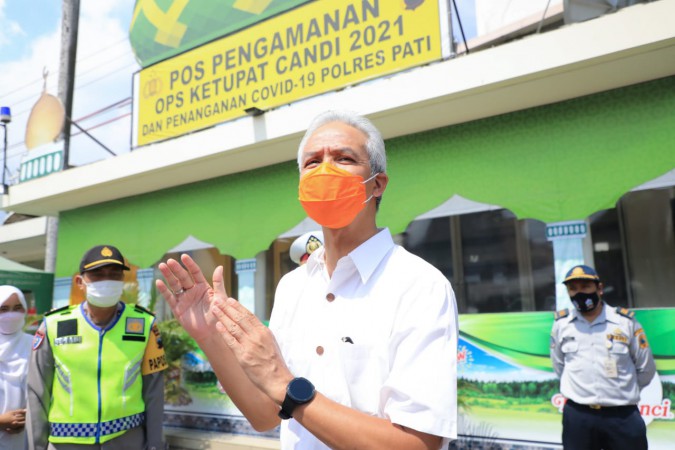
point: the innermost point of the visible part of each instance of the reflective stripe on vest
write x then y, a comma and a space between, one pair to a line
89, 429
97, 387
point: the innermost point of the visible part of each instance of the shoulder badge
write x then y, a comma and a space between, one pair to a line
40, 335
625, 312
642, 338
60, 310
154, 359
139, 308
38, 338
562, 313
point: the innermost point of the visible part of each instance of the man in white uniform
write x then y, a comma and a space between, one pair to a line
362, 348
603, 359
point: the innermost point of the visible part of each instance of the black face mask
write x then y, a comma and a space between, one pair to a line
585, 302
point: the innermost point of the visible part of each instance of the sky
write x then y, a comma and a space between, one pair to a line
31, 42
480, 365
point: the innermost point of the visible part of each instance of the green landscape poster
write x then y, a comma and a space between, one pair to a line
508, 389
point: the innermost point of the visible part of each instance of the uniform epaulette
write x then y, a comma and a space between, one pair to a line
625, 312
562, 313
141, 309
61, 309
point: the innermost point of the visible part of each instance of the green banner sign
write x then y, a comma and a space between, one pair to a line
161, 29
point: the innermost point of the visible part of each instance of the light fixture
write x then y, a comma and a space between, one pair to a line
5, 114
253, 111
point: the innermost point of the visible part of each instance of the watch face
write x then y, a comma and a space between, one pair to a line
301, 390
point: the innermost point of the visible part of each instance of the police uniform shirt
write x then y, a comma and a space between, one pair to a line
605, 362
40, 379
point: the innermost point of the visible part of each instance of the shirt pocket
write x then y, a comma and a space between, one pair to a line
569, 347
571, 351
621, 354
619, 349
364, 373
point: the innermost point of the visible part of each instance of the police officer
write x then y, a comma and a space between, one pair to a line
303, 246
602, 357
95, 378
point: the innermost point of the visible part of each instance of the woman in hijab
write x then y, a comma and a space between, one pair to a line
15, 348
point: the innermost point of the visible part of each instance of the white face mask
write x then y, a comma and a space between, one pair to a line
104, 293
11, 322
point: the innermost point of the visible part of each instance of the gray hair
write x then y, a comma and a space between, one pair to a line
374, 141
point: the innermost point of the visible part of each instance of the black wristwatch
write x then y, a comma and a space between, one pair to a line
298, 392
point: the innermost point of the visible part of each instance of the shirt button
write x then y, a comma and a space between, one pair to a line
319, 350
330, 297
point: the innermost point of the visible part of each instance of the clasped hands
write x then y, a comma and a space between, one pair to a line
13, 421
202, 309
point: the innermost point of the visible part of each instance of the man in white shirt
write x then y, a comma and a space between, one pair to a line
361, 348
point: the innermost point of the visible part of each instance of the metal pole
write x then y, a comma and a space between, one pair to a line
4, 159
69, 27
69, 30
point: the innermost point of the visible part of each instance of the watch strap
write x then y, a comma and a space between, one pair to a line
287, 408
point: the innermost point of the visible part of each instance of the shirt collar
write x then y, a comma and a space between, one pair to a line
366, 257
602, 317
84, 307
612, 315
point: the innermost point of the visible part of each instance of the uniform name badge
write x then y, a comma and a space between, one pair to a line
610, 367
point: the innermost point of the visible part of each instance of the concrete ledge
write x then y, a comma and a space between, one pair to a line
186, 439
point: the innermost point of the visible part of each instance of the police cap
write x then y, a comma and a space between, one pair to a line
102, 255
305, 245
582, 272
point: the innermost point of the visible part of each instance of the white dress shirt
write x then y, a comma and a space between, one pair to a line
379, 336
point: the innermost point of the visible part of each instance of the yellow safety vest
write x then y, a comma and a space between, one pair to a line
97, 387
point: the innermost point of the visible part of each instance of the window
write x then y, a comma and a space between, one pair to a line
634, 249
495, 262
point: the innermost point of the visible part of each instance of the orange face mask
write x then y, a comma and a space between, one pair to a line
332, 196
